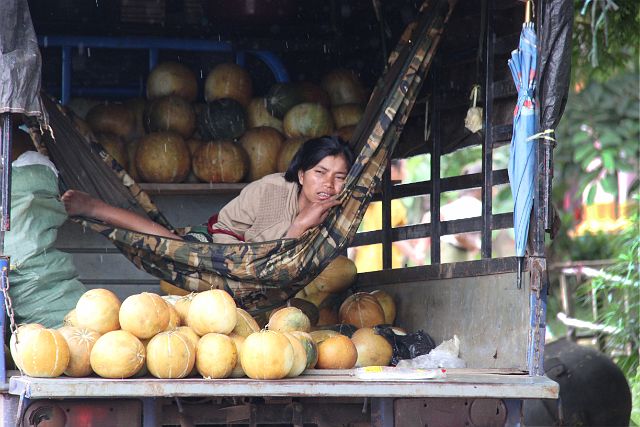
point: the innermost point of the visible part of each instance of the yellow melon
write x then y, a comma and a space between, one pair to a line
136, 106
373, 349
170, 114
388, 305
258, 115
190, 334
182, 307
43, 353
347, 114
310, 347
194, 338
212, 311
132, 169
111, 118
174, 317
163, 157
337, 276
245, 324
172, 78
309, 120
290, 147
262, 145
80, 342
98, 309
327, 316
117, 354
322, 334
345, 133
216, 356
317, 298
361, 310
114, 146
144, 314
343, 87
70, 319
15, 342
228, 80
238, 340
299, 356
267, 355
336, 352
220, 161
170, 354
289, 319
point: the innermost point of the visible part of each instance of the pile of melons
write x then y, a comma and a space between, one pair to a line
234, 136
202, 334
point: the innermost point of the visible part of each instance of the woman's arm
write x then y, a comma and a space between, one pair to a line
82, 204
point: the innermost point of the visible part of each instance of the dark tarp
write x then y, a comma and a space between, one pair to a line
554, 70
555, 29
19, 62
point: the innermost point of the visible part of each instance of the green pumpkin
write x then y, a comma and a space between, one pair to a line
223, 118
282, 97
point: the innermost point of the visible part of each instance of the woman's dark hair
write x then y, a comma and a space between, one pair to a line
313, 151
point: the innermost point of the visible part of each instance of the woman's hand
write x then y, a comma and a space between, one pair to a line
310, 216
78, 203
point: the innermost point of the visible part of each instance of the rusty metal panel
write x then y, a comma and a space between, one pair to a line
85, 412
450, 412
471, 385
319, 412
488, 313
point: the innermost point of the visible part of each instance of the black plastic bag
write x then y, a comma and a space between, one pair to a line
406, 346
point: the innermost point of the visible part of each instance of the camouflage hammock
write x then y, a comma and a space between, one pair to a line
258, 275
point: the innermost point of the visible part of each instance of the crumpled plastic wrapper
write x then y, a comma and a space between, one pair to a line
443, 356
473, 120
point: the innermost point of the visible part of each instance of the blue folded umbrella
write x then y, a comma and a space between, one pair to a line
522, 158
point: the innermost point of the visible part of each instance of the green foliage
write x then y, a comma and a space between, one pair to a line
605, 37
600, 131
587, 247
620, 285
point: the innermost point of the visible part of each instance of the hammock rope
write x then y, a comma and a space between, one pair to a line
257, 274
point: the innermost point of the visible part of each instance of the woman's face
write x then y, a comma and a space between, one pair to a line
324, 180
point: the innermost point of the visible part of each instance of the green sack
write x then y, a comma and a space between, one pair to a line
43, 281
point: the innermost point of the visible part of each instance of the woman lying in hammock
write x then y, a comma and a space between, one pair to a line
276, 206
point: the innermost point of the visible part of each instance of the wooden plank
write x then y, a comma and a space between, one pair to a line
458, 385
192, 188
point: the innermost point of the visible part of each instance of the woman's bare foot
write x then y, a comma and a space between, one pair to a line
78, 203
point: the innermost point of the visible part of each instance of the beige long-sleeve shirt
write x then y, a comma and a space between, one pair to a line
264, 210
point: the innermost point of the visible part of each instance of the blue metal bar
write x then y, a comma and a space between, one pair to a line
273, 62
5, 152
514, 412
103, 92
150, 412
4, 277
153, 45
241, 58
66, 74
135, 43
382, 412
154, 54
5, 224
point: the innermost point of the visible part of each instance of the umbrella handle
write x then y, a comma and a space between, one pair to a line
527, 11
